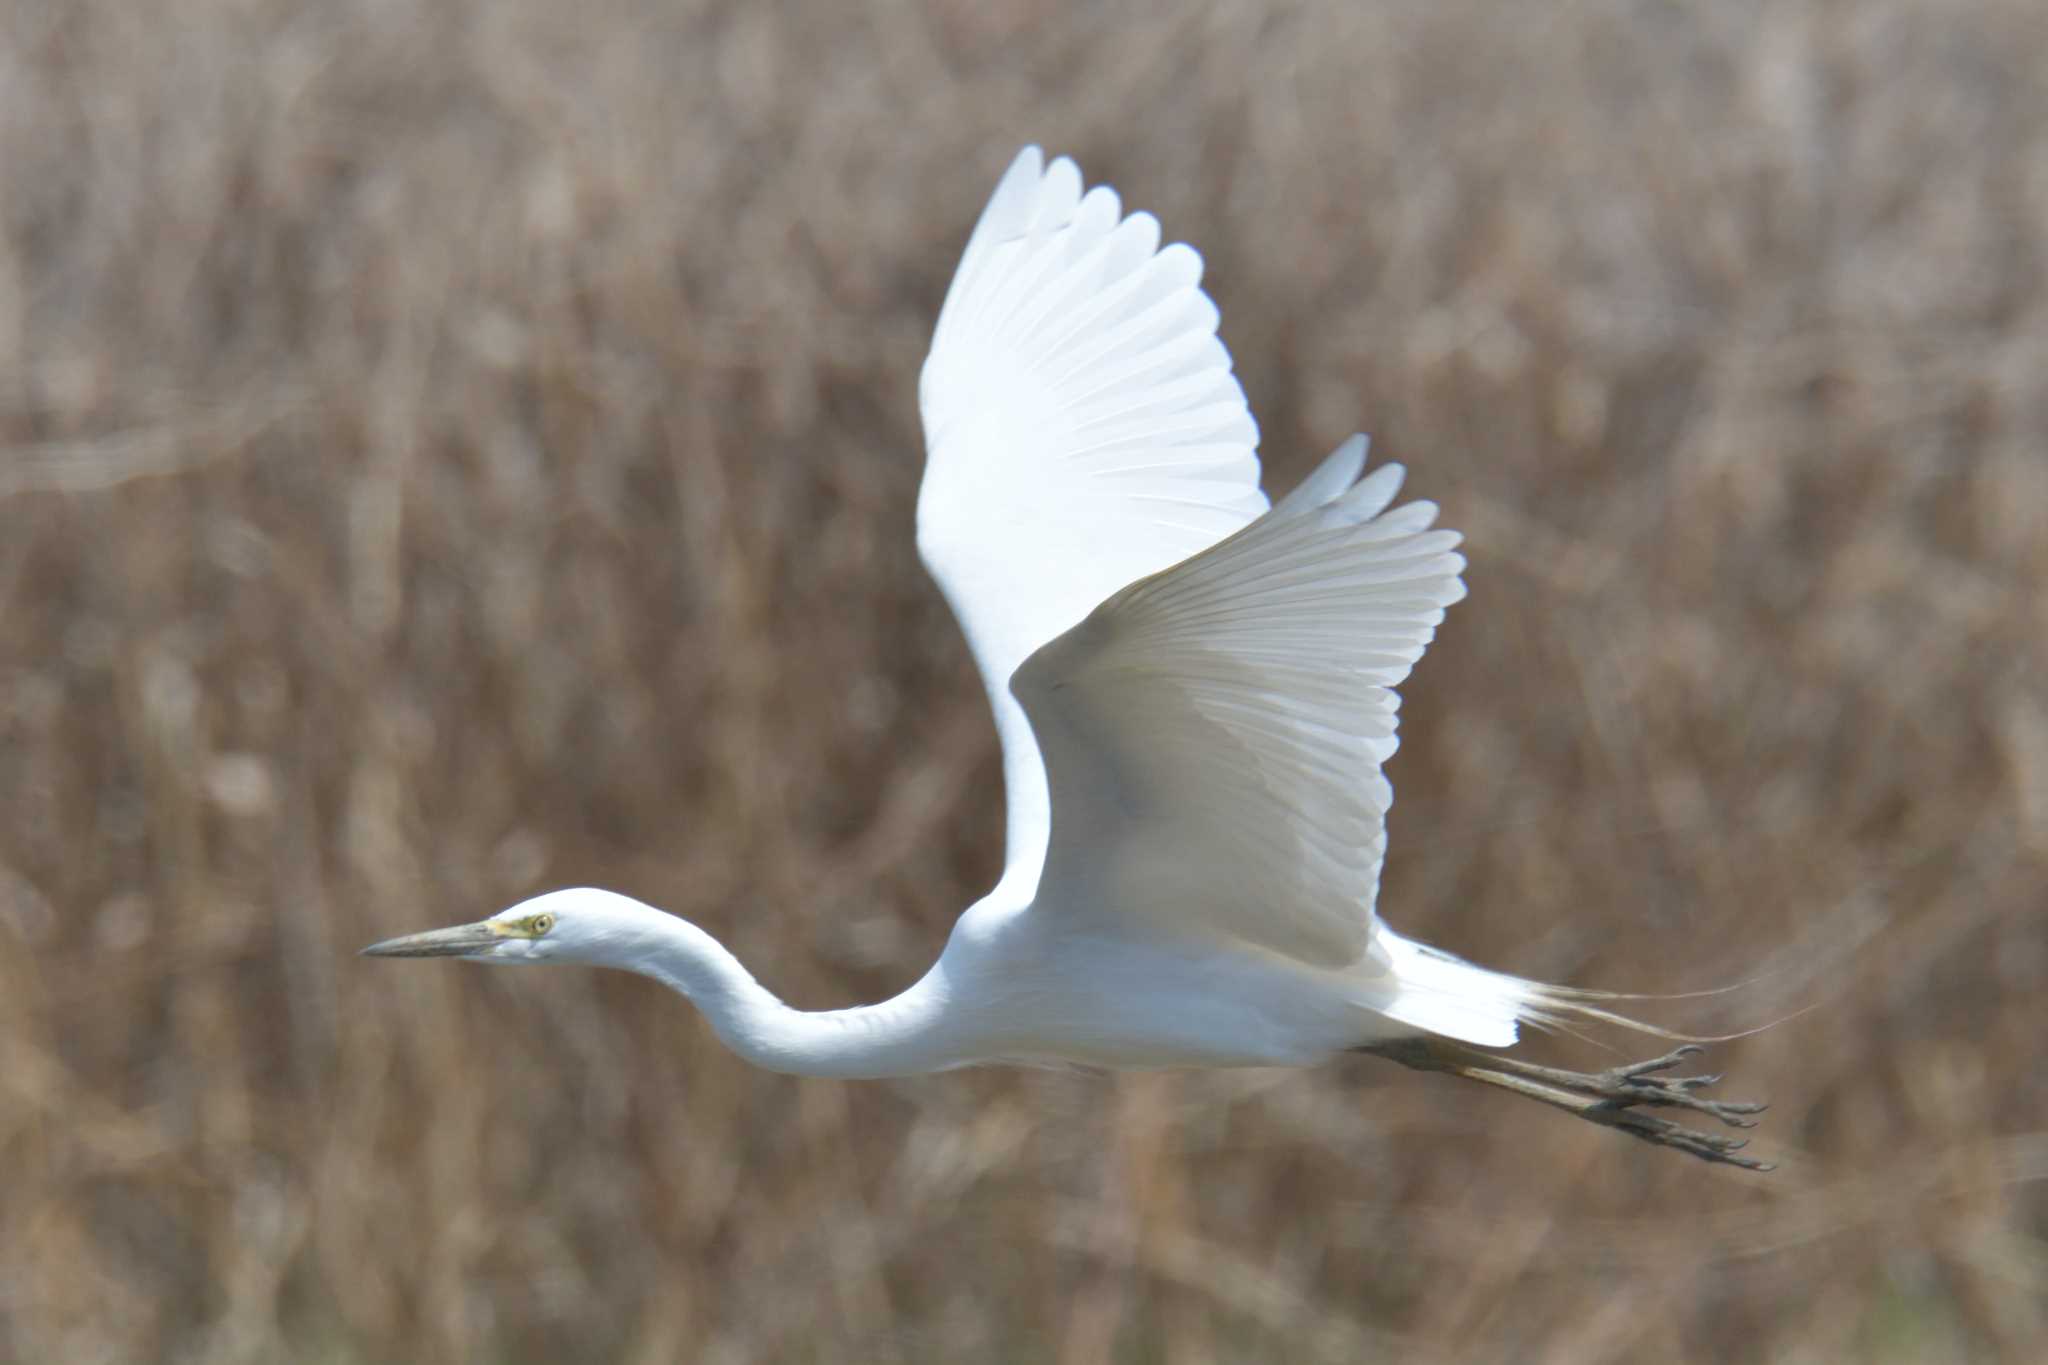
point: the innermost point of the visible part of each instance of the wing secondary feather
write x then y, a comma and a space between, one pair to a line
1214, 733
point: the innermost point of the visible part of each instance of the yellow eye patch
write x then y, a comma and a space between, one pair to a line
532, 926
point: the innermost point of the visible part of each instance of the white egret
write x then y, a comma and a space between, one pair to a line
1195, 696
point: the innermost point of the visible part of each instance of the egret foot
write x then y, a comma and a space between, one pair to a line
1614, 1098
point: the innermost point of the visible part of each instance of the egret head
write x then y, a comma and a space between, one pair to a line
578, 925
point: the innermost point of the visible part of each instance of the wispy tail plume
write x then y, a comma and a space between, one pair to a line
1444, 994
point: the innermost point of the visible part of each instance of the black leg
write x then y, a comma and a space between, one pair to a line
1614, 1098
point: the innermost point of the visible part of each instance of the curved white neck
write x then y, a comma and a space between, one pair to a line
897, 1037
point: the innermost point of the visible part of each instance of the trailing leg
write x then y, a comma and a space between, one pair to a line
1614, 1098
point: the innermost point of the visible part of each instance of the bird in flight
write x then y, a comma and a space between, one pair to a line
1194, 692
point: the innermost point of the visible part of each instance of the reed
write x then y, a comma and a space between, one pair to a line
450, 450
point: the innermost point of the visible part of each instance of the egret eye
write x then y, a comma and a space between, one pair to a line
540, 924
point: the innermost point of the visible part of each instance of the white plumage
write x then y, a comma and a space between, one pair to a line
1195, 698
1084, 430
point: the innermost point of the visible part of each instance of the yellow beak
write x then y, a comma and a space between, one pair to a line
463, 940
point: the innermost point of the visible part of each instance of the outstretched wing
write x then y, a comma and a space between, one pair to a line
1083, 429
1214, 733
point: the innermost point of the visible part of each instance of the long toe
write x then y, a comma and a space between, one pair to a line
1665, 1133
1636, 1070
1639, 1084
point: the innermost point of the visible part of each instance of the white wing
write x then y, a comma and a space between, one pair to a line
1083, 429
1214, 733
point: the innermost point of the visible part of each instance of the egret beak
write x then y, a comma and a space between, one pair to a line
463, 940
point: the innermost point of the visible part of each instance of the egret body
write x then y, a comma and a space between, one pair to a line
1194, 691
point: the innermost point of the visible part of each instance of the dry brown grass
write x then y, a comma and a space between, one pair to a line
453, 449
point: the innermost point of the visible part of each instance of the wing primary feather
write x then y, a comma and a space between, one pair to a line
1083, 431
1335, 474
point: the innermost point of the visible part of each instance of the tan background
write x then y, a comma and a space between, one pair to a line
449, 450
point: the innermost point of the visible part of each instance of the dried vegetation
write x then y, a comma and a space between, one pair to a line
449, 450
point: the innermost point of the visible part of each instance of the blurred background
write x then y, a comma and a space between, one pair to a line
452, 450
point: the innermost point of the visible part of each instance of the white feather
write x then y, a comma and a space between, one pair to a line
1214, 733
1083, 430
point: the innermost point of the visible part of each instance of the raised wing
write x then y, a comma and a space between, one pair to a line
1083, 429
1214, 733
